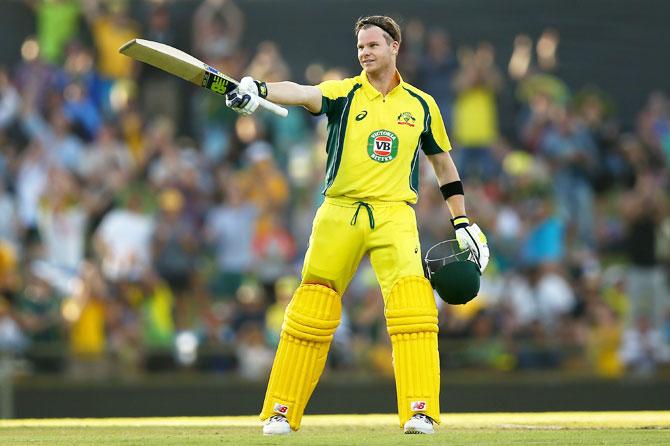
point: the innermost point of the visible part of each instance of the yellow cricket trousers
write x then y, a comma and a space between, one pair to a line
344, 229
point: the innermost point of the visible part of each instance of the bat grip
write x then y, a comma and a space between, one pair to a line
272, 107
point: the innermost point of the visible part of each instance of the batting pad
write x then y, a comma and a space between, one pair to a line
411, 319
309, 324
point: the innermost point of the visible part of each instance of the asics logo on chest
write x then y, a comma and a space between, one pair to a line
361, 115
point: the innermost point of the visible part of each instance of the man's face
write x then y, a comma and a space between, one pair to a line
375, 54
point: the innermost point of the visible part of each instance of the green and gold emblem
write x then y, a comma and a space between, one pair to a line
406, 118
383, 146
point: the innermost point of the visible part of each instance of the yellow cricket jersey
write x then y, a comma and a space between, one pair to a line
374, 141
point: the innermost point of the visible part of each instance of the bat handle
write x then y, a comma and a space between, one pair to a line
274, 108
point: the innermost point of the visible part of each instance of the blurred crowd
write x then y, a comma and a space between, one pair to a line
146, 227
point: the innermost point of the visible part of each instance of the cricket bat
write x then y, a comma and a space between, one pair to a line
187, 67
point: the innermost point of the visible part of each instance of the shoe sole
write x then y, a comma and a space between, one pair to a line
283, 432
417, 431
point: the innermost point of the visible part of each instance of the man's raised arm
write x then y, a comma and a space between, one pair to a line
290, 93
244, 99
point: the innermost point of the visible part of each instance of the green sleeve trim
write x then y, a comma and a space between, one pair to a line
428, 143
337, 129
326, 104
414, 173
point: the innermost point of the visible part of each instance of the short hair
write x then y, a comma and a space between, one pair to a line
387, 24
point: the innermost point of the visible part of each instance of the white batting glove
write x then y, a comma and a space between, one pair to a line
472, 238
244, 99
243, 103
249, 85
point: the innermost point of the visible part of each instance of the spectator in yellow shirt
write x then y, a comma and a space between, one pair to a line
111, 29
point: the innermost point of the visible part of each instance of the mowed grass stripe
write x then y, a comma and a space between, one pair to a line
501, 429
542, 420
323, 436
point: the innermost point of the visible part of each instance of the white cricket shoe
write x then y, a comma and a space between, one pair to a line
419, 424
276, 425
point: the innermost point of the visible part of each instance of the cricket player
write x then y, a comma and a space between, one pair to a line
377, 123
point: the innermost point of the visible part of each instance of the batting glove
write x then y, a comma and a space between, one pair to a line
472, 238
244, 104
252, 86
244, 99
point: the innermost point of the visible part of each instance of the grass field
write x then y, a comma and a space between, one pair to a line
555, 429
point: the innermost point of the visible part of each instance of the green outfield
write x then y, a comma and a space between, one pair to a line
555, 429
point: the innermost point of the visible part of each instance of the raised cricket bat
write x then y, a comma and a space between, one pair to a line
187, 67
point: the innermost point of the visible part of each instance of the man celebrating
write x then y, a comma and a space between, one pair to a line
376, 125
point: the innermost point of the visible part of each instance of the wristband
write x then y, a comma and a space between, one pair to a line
460, 222
262, 88
451, 189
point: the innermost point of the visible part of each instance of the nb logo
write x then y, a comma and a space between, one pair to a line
219, 85
361, 115
280, 408
418, 405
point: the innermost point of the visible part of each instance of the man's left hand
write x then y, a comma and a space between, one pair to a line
473, 238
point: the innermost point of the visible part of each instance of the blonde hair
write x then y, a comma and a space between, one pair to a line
387, 24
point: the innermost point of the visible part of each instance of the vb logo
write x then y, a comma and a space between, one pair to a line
382, 146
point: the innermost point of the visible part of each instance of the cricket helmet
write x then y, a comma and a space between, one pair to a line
452, 272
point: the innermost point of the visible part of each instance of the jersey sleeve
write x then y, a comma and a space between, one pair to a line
333, 93
434, 139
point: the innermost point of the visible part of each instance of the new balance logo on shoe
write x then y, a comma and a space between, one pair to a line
281, 409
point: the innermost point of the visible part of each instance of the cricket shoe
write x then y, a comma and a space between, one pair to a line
276, 425
419, 424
